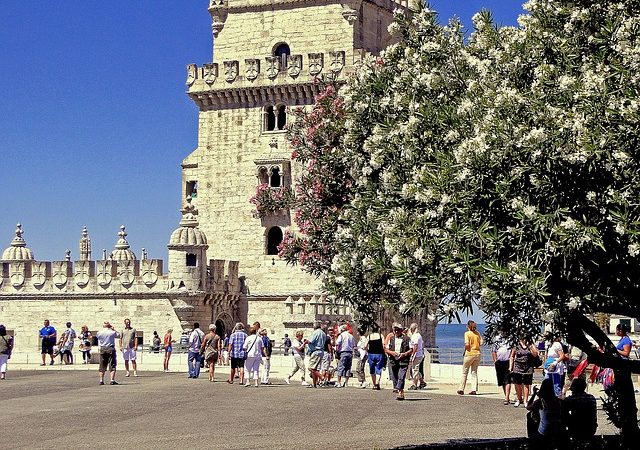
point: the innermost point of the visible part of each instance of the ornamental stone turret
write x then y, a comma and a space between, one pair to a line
188, 252
85, 245
18, 251
122, 251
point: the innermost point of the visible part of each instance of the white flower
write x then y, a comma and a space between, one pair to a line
568, 224
418, 254
591, 196
620, 229
529, 211
574, 302
633, 249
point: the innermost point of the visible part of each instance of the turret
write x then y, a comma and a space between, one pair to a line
188, 252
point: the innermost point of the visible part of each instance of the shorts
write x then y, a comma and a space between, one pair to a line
326, 361
344, 366
237, 363
315, 360
129, 354
502, 372
107, 359
522, 378
169, 349
47, 347
376, 363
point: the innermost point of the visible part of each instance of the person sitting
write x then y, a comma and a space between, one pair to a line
579, 414
549, 407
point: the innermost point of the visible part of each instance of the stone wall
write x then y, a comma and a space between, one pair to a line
310, 26
25, 317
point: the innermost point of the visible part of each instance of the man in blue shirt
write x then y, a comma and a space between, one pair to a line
48, 335
315, 348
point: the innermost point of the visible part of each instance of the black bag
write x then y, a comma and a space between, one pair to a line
535, 361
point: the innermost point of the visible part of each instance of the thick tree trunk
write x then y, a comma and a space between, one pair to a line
579, 327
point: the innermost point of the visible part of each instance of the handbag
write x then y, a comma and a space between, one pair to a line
535, 361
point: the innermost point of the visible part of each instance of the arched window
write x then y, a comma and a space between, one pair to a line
269, 118
276, 179
274, 238
263, 175
282, 50
282, 116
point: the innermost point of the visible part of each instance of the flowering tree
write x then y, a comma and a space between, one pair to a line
503, 170
324, 185
268, 200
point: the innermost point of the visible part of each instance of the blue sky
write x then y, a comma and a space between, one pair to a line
94, 120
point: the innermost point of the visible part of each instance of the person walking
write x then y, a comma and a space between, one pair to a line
399, 351
361, 356
193, 355
315, 348
417, 346
286, 344
107, 347
85, 344
472, 343
521, 366
501, 355
297, 349
209, 349
48, 335
345, 343
167, 343
236, 352
376, 356
254, 349
66, 344
129, 345
6, 347
266, 359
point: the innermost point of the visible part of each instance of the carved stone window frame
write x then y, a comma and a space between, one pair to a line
276, 108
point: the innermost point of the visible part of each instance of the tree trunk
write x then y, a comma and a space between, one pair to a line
578, 328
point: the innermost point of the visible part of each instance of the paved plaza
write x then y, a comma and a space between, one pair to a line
46, 408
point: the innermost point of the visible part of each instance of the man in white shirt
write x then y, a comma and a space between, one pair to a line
417, 346
107, 347
344, 349
193, 355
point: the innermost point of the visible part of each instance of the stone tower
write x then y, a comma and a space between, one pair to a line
85, 245
268, 55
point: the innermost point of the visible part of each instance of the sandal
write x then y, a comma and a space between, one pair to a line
506, 402
400, 397
230, 381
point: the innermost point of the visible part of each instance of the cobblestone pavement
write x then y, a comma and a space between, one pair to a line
45, 409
